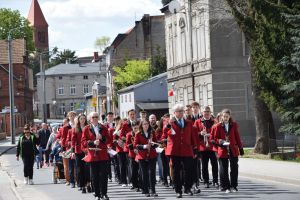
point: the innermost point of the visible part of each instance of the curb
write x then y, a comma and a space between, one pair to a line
6, 150
13, 186
271, 178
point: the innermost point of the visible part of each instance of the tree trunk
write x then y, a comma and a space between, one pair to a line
265, 131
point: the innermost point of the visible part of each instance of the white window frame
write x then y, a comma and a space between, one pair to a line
62, 108
60, 90
72, 104
73, 89
85, 88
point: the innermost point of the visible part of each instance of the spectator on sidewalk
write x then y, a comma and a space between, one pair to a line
44, 135
27, 149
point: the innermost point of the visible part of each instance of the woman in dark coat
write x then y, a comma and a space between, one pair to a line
27, 149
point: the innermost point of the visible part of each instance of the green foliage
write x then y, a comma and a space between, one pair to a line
274, 41
102, 42
135, 71
159, 62
11, 20
59, 57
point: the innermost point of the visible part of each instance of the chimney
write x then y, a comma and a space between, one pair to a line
96, 57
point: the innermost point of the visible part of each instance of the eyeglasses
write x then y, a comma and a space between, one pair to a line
95, 117
180, 111
26, 131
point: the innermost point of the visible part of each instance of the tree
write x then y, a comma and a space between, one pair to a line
159, 62
59, 57
266, 31
102, 42
135, 71
11, 20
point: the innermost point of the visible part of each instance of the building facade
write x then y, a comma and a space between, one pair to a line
150, 95
207, 60
66, 86
22, 79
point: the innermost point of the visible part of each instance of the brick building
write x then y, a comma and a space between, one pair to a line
22, 76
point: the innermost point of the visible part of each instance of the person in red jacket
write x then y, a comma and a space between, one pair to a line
79, 154
204, 126
146, 156
94, 140
181, 145
134, 166
227, 137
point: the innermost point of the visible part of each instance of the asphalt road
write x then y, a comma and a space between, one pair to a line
44, 189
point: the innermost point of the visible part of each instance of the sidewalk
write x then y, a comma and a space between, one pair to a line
5, 145
272, 170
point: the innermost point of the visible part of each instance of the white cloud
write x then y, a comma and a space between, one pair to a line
77, 10
56, 36
86, 52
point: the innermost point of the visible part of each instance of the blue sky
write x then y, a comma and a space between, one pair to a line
75, 24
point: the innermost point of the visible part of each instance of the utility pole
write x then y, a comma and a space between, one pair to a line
44, 106
191, 45
11, 91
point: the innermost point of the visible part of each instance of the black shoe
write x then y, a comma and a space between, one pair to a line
189, 192
138, 190
166, 184
79, 189
154, 194
197, 190
222, 189
178, 195
105, 197
89, 189
109, 180
147, 195
206, 185
72, 185
215, 184
234, 189
132, 188
83, 190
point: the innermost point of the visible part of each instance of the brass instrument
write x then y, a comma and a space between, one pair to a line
96, 149
149, 143
205, 137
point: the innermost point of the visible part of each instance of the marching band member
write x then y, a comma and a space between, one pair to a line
95, 139
126, 128
188, 112
113, 145
195, 111
230, 146
182, 142
134, 166
204, 126
147, 156
62, 135
68, 142
79, 154
110, 125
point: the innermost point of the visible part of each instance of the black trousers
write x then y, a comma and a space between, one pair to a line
134, 166
206, 156
28, 161
115, 163
195, 167
182, 166
99, 177
123, 167
166, 167
148, 174
109, 168
80, 170
225, 183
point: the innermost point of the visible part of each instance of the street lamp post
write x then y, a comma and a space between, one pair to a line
44, 105
11, 90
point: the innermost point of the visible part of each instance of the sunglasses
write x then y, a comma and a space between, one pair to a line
95, 117
26, 131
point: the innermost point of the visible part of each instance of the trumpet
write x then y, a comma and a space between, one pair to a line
96, 149
149, 143
205, 137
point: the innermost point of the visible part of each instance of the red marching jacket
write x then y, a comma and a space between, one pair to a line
233, 138
182, 141
76, 141
202, 124
64, 134
139, 141
129, 145
126, 128
212, 137
87, 141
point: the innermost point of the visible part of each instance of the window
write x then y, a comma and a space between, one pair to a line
72, 90
72, 106
85, 77
62, 109
41, 36
85, 88
61, 90
125, 98
129, 98
60, 77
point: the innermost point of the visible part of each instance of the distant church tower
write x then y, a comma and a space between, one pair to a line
40, 26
